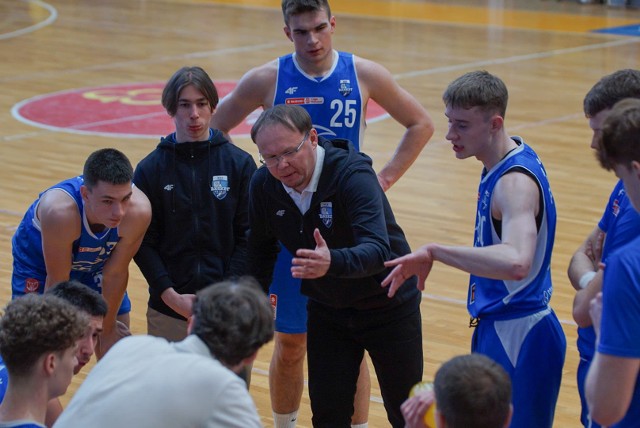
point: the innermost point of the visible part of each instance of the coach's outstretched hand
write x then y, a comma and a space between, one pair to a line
417, 263
312, 264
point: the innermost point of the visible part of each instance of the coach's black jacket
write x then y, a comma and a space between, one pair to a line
199, 198
353, 216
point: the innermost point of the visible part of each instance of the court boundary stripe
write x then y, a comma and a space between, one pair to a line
53, 15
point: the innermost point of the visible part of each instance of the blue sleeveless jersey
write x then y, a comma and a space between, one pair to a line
90, 251
333, 101
500, 299
4, 379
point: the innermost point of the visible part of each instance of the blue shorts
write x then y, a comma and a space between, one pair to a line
532, 350
289, 305
21, 285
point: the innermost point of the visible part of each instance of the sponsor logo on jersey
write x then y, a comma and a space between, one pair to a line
292, 90
90, 249
220, 186
304, 100
31, 285
280, 213
168, 187
345, 87
616, 208
326, 213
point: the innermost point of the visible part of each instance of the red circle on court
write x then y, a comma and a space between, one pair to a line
130, 110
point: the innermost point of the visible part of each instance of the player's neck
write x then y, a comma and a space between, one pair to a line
25, 404
499, 149
317, 68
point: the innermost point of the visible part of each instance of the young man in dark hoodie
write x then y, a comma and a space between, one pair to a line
197, 182
322, 201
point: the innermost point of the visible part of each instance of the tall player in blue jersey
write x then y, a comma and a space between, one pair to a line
510, 284
619, 225
612, 386
334, 87
86, 228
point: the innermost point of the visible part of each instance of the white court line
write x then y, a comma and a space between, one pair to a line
204, 54
11, 213
53, 15
156, 60
517, 58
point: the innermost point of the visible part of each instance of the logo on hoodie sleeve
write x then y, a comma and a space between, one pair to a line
220, 186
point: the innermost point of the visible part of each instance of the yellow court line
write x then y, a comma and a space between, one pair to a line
474, 15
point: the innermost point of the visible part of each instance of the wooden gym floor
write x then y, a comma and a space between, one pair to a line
73, 73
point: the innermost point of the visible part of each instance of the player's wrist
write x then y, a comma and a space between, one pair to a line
586, 279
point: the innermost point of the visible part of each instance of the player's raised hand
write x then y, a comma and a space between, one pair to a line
314, 263
417, 263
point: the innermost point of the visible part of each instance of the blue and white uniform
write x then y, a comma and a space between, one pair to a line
516, 327
335, 105
621, 224
619, 331
4, 379
89, 252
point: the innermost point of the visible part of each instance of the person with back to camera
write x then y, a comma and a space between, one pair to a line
130, 386
469, 391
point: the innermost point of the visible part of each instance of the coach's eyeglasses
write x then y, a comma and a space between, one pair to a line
275, 160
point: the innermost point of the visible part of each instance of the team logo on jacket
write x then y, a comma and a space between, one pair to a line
326, 213
219, 186
345, 87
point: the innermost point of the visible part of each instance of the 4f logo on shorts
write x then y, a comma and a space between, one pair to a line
220, 186
326, 213
345, 87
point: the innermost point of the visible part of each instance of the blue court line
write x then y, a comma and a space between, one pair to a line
625, 30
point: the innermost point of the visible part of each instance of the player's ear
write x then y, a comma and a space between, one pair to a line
287, 32
497, 122
313, 137
49, 363
635, 167
84, 192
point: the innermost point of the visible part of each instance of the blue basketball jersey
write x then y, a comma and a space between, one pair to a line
619, 331
4, 379
505, 299
333, 101
89, 252
621, 223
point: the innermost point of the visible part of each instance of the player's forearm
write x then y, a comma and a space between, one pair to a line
495, 261
581, 303
608, 393
580, 265
408, 150
113, 289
